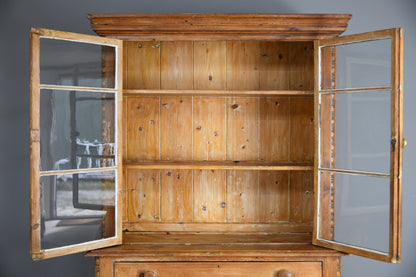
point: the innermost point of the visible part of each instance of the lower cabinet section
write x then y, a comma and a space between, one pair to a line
218, 269
216, 255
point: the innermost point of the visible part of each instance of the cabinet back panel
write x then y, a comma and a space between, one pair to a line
275, 128
210, 128
143, 128
176, 128
218, 196
243, 128
142, 65
232, 65
176, 65
210, 64
274, 121
278, 129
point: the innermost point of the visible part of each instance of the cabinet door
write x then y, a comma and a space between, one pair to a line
75, 144
358, 154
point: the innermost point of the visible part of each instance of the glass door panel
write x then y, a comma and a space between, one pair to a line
75, 131
361, 129
363, 64
65, 222
75, 153
70, 63
358, 213
358, 182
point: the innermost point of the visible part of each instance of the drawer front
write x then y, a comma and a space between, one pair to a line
221, 269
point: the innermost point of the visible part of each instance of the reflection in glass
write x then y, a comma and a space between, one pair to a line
69, 63
77, 208
362, 211
77, 129
358, 65
361, 125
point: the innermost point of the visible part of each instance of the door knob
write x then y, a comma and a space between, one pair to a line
404, 143
149, 274
284, 273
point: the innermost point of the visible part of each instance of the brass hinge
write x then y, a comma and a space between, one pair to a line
37, 256
34, 135
393, 144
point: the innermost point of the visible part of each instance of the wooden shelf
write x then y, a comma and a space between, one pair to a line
160, 238
239, 246
218, 165
144, 92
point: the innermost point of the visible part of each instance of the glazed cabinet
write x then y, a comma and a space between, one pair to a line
216, 144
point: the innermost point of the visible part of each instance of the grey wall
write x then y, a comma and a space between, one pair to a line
16, 17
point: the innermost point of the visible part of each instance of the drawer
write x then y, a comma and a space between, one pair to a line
225, 269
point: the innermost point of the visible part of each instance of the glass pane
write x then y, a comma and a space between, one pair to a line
358, 65
66, 221
357, 124
361, 216
69, 63
76, 129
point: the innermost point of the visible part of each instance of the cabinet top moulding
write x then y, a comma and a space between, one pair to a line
296, 27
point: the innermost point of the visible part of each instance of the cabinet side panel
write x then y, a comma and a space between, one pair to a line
301, 66
274, 128
328, 67
242, 65
301, 129
176, 195
143, 128
242, 196
274, 65
209, 196
176, 128
327, 137
104, 267
209, 64
143, 65
143, 195
332, 267
125, 195
176, 65
301, 196
326, 206
274, 196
